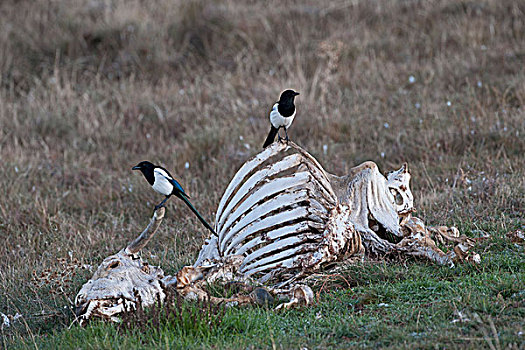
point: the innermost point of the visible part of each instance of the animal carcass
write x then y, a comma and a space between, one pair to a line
281, 219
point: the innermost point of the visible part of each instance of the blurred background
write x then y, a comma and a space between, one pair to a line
90, 88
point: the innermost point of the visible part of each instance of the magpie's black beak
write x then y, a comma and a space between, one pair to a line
296, 93
136, 167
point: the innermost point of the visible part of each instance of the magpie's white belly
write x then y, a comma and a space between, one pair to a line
278, 120
162, 185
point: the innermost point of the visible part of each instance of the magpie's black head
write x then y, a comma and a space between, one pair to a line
146, 168
144, 165
287, 96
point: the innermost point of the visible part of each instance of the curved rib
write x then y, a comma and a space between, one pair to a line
290, 256
247, 167
279, 245
309, 215
273, 235
252, 213
263, 224
261, 175
267, 190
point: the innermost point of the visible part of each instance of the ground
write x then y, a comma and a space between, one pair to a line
90, 88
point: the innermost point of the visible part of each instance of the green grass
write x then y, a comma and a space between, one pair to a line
390, 305
90, 88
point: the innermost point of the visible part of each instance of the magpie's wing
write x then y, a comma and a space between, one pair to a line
179, 187
164, 173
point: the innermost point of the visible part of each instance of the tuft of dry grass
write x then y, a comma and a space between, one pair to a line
200, 318
89, 88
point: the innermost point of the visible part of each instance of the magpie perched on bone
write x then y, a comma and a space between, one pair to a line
162, 182
281, 116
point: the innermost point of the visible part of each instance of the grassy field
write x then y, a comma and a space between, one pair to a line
90, 88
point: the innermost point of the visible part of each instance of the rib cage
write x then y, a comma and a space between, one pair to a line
275, 211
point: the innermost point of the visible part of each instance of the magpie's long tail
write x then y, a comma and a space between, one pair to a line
271, 137
185, 199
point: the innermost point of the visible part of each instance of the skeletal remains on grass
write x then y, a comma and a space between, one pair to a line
281, 220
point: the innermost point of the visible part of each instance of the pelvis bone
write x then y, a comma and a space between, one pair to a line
281, 219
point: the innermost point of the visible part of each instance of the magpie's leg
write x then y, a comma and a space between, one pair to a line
161, 204
279, 134
286, 132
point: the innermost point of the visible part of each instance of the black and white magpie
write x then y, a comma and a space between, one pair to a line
281, 116
162, 182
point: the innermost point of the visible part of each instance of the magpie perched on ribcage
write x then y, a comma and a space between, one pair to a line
281, 116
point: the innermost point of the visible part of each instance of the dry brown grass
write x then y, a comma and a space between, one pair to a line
89, 88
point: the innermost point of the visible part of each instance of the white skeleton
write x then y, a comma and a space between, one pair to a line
281, 218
